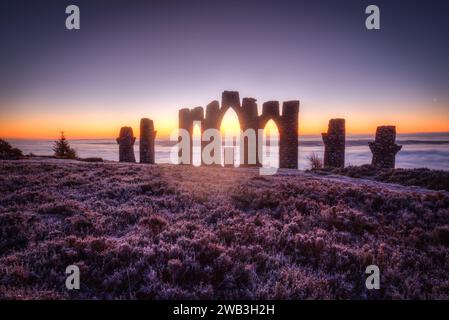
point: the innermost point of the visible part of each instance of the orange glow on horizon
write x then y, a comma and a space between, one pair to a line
32, 132
96, 125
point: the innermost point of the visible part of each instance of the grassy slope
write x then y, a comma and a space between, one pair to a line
167, 231
422, 177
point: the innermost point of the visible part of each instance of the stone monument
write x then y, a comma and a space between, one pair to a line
334, 144
147, 137
126, 145
384, 148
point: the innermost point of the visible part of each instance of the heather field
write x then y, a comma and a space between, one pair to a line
422, 177
165, 232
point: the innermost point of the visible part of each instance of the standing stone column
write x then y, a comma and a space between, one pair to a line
334, 144
384, 148
147, 137
186, 123
288, 135
211, 121
249, 139
126, 145
230, 99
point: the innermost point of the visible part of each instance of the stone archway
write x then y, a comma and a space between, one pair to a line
247, 114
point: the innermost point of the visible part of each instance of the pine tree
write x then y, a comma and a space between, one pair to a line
62, 148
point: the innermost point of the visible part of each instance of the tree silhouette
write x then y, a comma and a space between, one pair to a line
9, 153
62, 148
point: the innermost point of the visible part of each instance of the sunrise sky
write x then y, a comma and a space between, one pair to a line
134, 59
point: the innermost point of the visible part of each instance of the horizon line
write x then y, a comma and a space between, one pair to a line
168, 137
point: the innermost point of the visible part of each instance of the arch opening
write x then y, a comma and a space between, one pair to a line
230, 139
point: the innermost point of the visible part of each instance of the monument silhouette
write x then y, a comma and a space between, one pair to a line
384, 148
146, 143
126, 141
247, 114
334, 144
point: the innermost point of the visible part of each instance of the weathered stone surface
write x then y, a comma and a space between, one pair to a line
147, 137
334, 144
288, 135
212, 114
384, 148
249, 121
270, 109
197, 114
249, 108
186, 123
230, 99
126, 145
211, 121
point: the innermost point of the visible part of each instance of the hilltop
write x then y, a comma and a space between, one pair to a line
165, 231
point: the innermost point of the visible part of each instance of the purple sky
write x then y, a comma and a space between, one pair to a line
149, 58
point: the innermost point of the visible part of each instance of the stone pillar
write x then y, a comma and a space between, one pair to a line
334, 144
270, 109
197, 114
126, 145
212, 115
185, 122
197, 117
211, 122
147, 137
230, 99
250, 121
384, 148
288, 135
